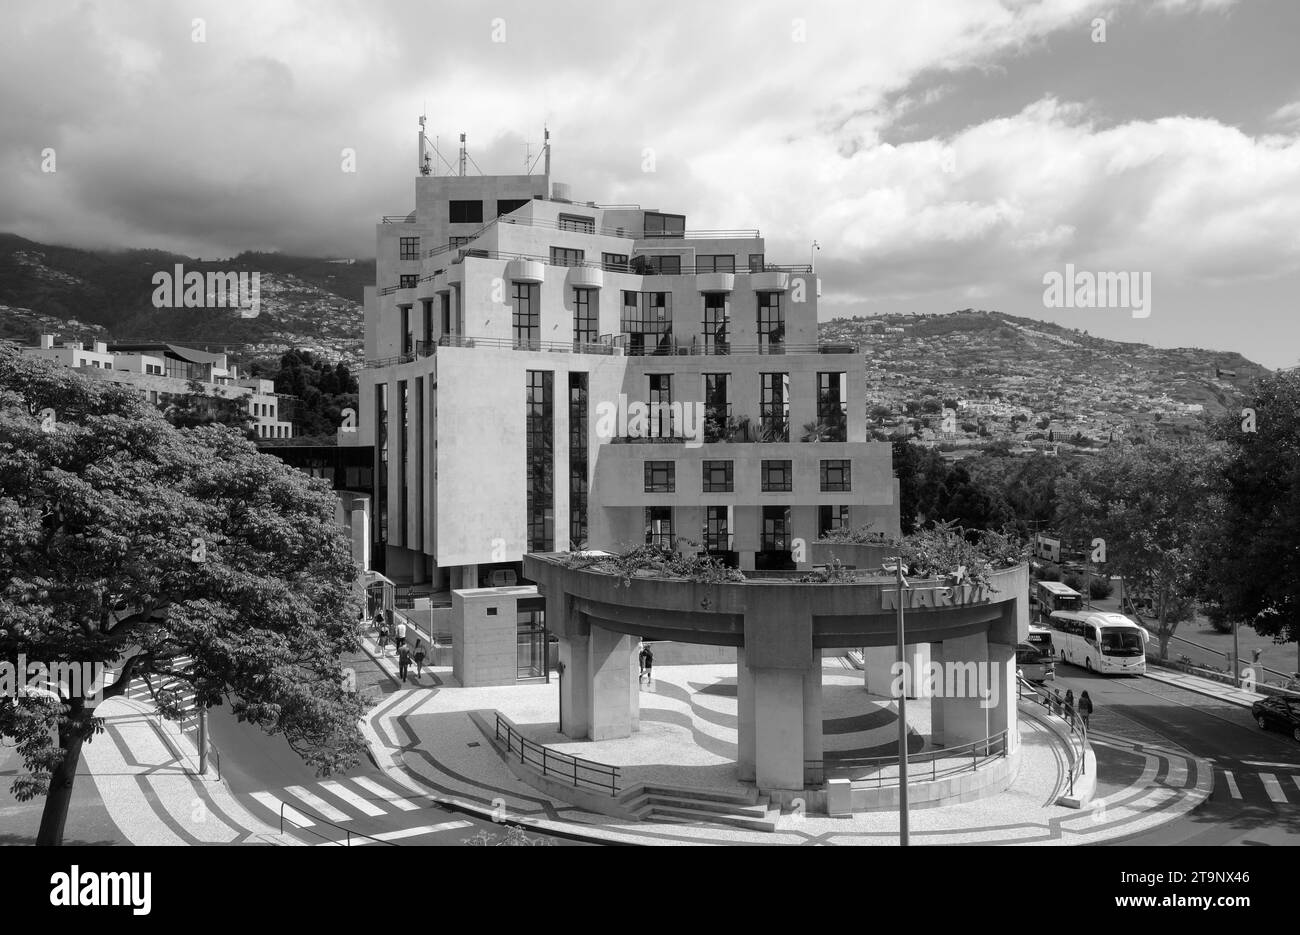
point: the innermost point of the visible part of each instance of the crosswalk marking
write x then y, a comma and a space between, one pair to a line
1297, 782
1274, 765
336, 788
389, 796
1232, 784
1273, 787
316, 802
400, 833
290, 813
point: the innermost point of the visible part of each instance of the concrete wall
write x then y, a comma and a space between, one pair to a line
485, 644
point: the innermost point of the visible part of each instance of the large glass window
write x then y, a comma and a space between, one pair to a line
774, 407
756, 263
659, 526
660, 476
717, 529
718, 263
832, 407
444, 304
614, 262
648, 322
586, 317
567, 256
717, 406
574, 222
667, 265
837, 475
776, 529
540, 458
526, 315
408, 248
719, 477
578, 464
408, 281
661, 398
831, 518
717, 321
508, 205
778, 476
664, 225
771, 323
465, 212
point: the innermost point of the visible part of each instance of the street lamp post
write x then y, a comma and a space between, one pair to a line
812, 255
903, 835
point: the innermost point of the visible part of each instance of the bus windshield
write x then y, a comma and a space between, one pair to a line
1121, 641
1067, 602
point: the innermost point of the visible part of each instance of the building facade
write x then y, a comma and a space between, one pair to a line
163, 372
549, 375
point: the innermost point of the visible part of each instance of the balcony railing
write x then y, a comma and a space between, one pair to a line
397, 219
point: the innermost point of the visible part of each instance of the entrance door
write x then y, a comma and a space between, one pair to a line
531, 648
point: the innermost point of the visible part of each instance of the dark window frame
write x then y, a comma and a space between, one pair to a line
777, 475
709, 482
837, 475
660, 476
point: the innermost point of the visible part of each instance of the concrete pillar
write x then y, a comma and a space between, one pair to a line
1002, 690
812, 712
965, 673
878, 668
778, 728
469, 576
744, 719
612, 682
575, 687
936, 703
634, 685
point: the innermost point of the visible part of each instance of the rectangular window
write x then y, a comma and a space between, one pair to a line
717, 321
526, 315
660, 476
509, 205
717, 528
566, 256
837, 475
614, 262
586, 318
832, 407
575, 222
578, 463
771, 323
831, 518
777, 476
719, 477
406, 328
661, 398
540, 458
456, 243
659, 526
426, 323
776, 529
444, 302
408, 282
648, 322
465, 212
756, 263
408, 248
664, 225
717, 406
718, 263
774, 407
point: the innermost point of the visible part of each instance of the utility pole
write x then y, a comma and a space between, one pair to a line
903, 834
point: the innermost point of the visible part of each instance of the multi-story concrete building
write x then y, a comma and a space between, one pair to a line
546, 374
161, 372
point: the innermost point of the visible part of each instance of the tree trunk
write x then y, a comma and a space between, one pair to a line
55, 815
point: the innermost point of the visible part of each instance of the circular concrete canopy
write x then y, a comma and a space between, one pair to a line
856, 614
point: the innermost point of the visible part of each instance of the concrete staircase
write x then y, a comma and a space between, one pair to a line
672, 804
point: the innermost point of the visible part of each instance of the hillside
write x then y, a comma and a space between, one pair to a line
1048, 378
306, 302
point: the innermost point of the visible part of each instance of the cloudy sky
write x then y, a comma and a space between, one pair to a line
944, 154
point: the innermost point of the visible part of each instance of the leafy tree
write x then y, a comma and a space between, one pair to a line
880, 413
196, 408
128, 542
1149, 504
1254, 571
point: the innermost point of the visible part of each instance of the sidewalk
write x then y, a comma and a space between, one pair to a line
1202, 686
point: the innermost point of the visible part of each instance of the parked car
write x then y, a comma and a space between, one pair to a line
1278, 712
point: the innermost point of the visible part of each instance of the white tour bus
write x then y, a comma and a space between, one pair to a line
1100, 642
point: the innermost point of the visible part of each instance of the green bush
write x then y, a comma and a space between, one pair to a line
1100, 587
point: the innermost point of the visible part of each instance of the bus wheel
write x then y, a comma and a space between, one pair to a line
1087, 663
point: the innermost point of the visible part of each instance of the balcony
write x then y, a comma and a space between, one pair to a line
770, 281
523, 270
586, 277
715, 282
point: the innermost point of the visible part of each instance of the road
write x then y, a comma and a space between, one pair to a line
1256, 797
265, 774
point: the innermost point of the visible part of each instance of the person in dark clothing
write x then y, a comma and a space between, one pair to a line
1085, 708
403, 662
1069, 702
647, 663
381, 631
1057, 702
419, 660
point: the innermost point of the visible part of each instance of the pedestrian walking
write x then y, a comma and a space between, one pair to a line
647, 664
1058, 702
381, 631
640, 657
1069, 704
403, 662
1085, 708
399, 633
419, 660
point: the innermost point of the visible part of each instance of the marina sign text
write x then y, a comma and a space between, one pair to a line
934, 597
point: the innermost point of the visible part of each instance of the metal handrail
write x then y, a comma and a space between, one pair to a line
349, 832
557, 765
1071, 718
397, 219
993, 746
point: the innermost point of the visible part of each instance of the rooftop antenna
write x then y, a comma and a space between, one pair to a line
424, 152
546, 148
462, 154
